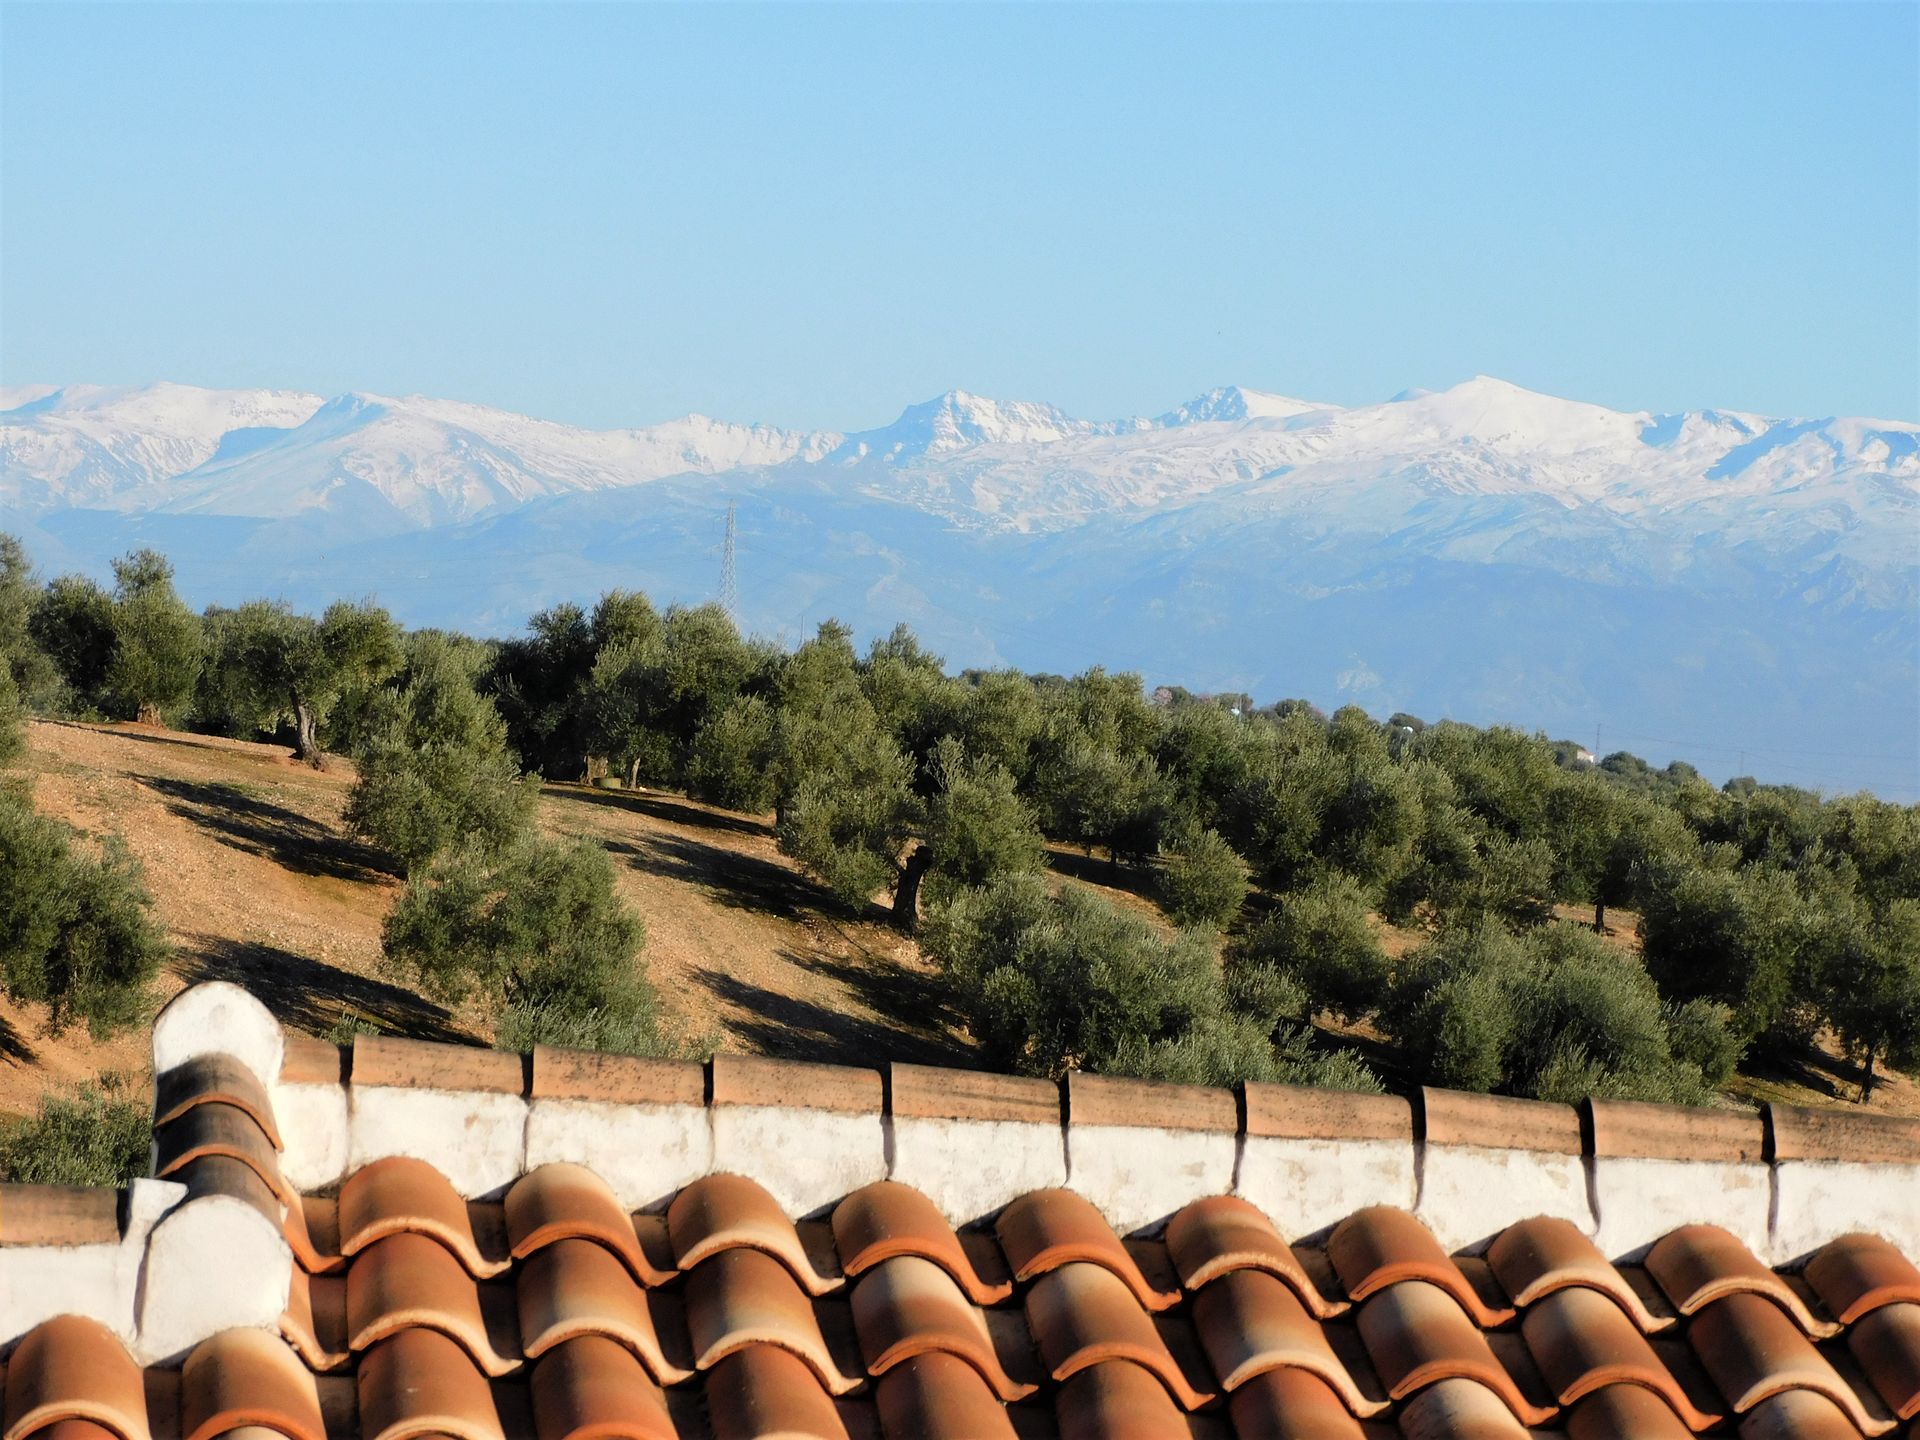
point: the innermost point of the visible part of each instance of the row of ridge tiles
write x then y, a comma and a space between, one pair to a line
559, 1316
1775, 1132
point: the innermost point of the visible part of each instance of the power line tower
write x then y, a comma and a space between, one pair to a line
729, 581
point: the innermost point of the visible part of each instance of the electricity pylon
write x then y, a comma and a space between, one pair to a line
729, 581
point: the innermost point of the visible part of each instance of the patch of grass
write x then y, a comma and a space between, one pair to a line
615, 1032
350, 1024
98, 1135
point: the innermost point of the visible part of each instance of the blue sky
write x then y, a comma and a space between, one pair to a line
811, 215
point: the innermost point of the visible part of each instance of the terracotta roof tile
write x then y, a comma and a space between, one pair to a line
429, 1065
1459, 1410
559, 1074
594, 1389
315, 1322
308, 1060
1045, 1229
1151, 1104
1213, 1237
216, 1128
728, 1212
1584, 1342
71, 1368
312, 1228
759, 1080
561, 1201
1082, 1314
1886, 1345
1116, 1399
1537, 1257
210, 1079
408, 1281
928, 1093
1458, 1117
1857, 1273
1699, 1264
1381, 1246
76, 1430
1798, 1415
248, 1378
885, 1219
1637, 1129
1418, 1335
1753, 1351
223, 1175
1251, 1323
1796, 1133
746, 1297
938, 1396
1045, 1326
760, 1391
1290, 1404
420, 1383
400, 1195
1624, 1412
1303, 1112
58, 1215
908, 1306
575, 1287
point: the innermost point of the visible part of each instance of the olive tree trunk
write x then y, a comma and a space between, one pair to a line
906, 892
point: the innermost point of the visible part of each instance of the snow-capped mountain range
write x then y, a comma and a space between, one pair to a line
1736, 580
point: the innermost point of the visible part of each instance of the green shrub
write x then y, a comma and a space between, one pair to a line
13, 719
76, 930
435, 768
94, 1136
1555, 1014
978, 828
1735, 937
1052, 983
1202, 880
539, 933
731, 759
72, 624
1321, 940
157, 641
849, 810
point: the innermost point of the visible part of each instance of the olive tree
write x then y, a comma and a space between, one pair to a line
276, 664
156, 640
435, 767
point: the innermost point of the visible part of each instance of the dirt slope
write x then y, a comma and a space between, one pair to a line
257, 881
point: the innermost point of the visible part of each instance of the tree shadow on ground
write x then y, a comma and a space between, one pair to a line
660, 807
14, 1047
126, 730
1807, 1066
314, 996
1098, 870
799, 1029
270, 831
745, 882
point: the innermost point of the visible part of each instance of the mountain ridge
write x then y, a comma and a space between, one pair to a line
1435, 552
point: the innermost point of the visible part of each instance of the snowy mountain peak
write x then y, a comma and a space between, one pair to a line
959, 420
1234, 403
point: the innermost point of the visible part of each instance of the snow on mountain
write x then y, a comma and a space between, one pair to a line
383, 462
1232, 403
91, 445
436, 462
958, 421
1481, 550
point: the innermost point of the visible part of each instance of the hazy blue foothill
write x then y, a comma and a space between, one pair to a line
1732, 588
